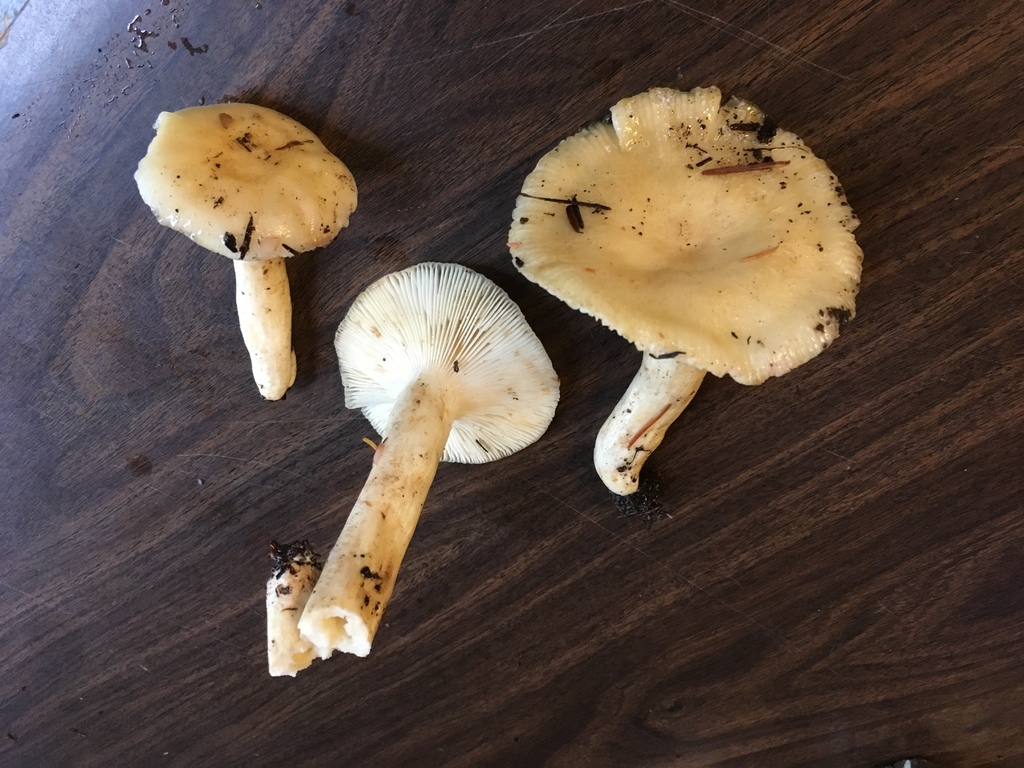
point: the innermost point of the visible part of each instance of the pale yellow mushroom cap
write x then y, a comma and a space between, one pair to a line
245, 181
743, 273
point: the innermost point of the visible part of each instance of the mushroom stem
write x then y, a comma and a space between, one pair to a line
265, 314
357, 581
287, 594
659, 392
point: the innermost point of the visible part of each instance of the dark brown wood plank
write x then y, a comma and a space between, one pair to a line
839, 581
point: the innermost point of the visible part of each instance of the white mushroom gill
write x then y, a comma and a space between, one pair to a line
444, 364
693, 229
254, 185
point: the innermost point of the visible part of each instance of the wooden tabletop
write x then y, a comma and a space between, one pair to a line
839, 577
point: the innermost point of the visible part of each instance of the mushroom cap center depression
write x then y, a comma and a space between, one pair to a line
690, 228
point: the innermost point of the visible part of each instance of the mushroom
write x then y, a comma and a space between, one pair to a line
704, 234
296, 569
444, 365
251, 184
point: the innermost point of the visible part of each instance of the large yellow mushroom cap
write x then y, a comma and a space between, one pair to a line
694, 228
245, 181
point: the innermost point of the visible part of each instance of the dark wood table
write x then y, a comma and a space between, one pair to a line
840, 577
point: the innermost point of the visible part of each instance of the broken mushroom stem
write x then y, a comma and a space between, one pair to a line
297, 568
265, 315
658, 394
359, 576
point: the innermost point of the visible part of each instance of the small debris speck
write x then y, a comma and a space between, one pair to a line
194, 49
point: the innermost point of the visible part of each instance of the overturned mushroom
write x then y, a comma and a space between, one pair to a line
445, 367
253, 185
703, 233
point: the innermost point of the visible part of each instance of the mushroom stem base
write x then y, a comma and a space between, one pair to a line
265, 315
346, 606
659, 392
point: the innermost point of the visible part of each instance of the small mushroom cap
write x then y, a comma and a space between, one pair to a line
245, 181
449, 323
742, 272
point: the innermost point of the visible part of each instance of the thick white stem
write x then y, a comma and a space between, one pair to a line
349, 599
287, 594
265, 315
659, 392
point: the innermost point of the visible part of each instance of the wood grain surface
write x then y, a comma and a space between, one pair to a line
840, 579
